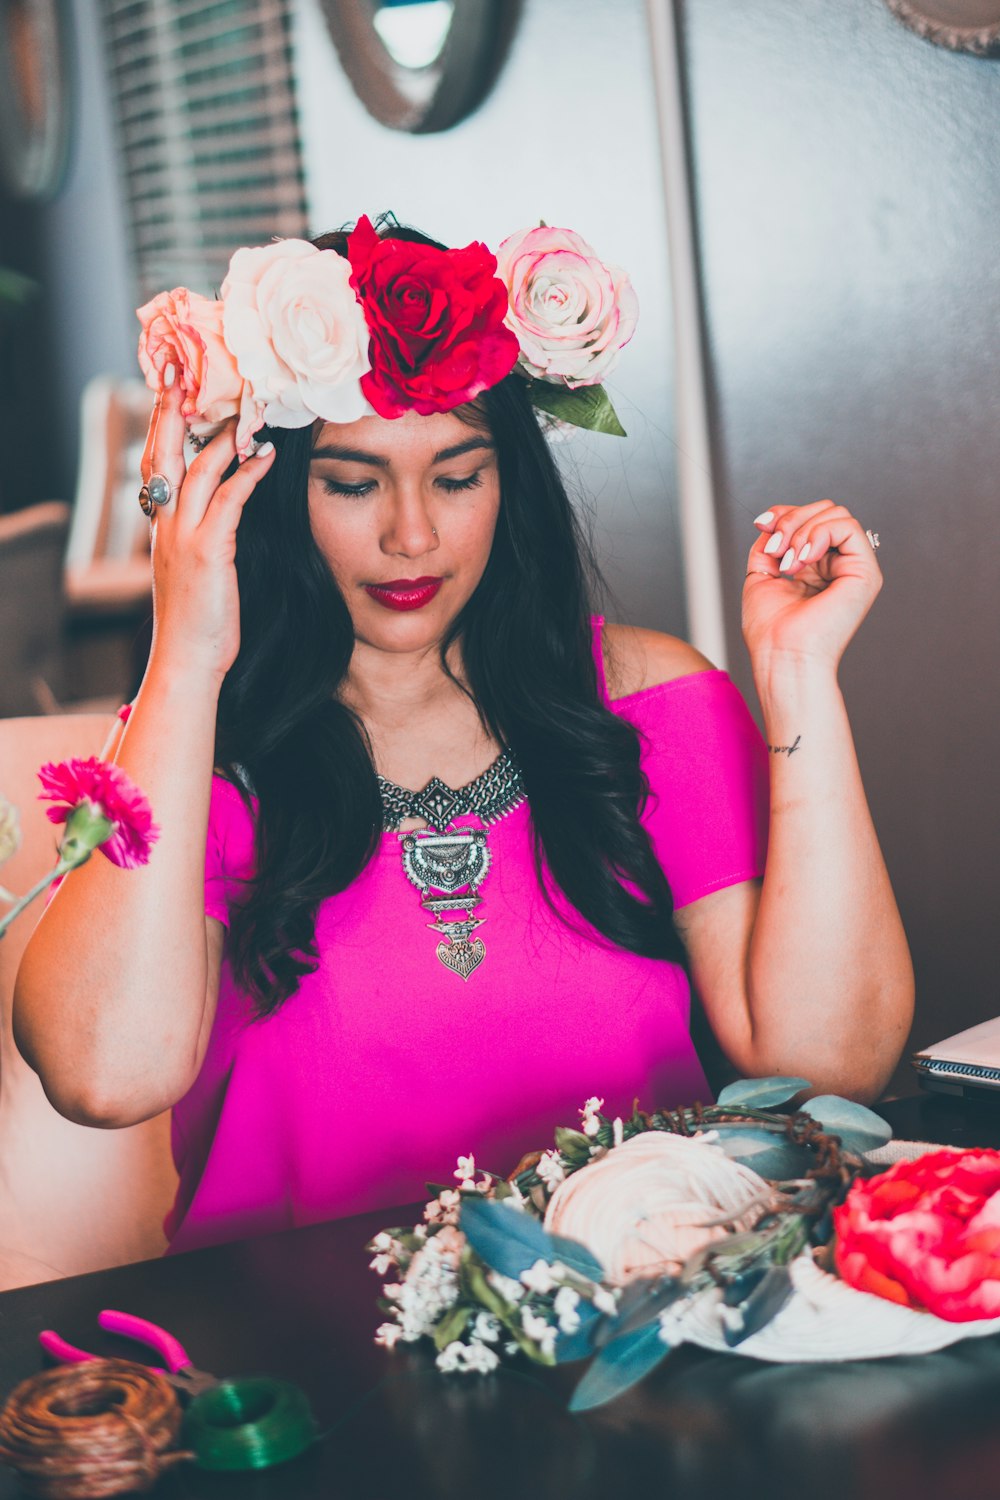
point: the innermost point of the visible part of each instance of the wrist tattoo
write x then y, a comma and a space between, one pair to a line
786, 749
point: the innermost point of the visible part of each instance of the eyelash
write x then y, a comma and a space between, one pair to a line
359, 491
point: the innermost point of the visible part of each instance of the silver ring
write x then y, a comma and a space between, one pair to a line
159, 489
873, 540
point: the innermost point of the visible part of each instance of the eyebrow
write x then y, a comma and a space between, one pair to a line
359, 456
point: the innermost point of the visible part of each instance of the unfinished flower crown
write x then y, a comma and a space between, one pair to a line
298, 334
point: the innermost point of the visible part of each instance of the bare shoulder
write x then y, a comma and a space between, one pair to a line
635, 659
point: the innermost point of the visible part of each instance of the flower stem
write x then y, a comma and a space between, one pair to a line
36, 890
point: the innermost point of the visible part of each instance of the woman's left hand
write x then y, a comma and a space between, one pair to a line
806, 594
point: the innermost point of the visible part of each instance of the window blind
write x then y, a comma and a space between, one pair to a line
208, 132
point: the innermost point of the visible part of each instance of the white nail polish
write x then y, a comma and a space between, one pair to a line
169, 376
773, 543
264, 450
764, 519
788, 561
804, 552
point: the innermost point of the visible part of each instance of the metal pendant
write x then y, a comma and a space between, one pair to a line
454, 863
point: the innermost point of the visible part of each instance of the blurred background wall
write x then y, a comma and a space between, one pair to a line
847, 213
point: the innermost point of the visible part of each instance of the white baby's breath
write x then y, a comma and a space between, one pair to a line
540, 1331
565, 1306
539, 1277
550, 1169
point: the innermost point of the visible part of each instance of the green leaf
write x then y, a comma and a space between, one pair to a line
572, 1144
760, 1093
488, 1296
618, 1366
510, 1241
859, 1128
587, 406
451, 1327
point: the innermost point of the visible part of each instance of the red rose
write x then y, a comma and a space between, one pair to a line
927, 1234
436, 318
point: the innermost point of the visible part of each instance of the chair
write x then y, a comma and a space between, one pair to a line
32, 546
72, 1198
107, 554
107, 581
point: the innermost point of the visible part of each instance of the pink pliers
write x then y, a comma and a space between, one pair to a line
177, 1367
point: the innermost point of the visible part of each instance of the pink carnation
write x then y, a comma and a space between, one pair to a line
106, 787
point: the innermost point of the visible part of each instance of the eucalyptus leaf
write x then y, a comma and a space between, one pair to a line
587, 406
618, 1366
860, 1129
639, 1305
579, 1345
510, 1240
760, 1093
767, 1152
764, 1303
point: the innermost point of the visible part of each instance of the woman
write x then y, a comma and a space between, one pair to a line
406, 614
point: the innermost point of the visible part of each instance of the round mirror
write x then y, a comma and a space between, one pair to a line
962, 25
35, 94
421, 65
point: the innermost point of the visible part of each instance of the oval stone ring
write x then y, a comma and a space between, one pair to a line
156, 491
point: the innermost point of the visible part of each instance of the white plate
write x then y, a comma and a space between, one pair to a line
825, 1319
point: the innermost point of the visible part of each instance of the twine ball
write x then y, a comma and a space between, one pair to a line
83, 1431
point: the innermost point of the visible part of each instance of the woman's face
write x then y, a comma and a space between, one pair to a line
404, 512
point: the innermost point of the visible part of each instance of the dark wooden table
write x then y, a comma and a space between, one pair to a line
302, 1305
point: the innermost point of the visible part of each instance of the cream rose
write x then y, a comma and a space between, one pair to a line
644, 1208
572, 313
297, 332
10, 830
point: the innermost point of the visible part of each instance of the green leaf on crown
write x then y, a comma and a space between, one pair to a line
588, 406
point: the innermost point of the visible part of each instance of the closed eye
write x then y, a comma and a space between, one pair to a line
353, 491
446, 482
453, 486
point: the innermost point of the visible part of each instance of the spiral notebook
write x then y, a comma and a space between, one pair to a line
969, 1060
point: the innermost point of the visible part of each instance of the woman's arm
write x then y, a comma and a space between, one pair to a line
809, 972
116, 992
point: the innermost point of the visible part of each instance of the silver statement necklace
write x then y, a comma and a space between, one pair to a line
448, 868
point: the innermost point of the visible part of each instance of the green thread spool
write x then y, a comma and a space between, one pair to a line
250, 1423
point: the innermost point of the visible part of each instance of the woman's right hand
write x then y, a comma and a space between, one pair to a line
196, 614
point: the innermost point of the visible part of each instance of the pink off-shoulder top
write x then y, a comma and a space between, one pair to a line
384, 1066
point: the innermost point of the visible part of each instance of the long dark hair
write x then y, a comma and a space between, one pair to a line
526, 649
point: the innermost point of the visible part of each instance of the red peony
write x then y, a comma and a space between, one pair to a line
106, 789
436, 319
927, 1234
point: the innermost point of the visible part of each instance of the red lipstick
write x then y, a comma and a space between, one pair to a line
404, 593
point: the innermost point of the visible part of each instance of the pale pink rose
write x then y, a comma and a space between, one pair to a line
647, 1205
182, 329
298, 332
572, 313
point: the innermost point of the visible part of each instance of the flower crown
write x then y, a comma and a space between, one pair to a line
299, 334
